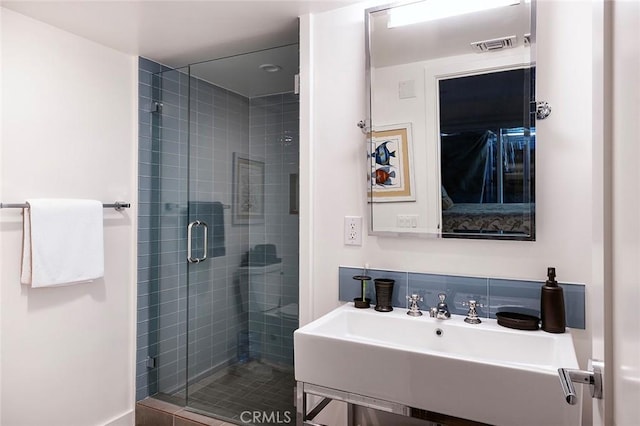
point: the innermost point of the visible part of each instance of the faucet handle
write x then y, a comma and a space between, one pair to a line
415, 298
472, 315
472, 304
414, 309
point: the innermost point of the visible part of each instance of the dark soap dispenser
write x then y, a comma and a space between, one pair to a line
552, 304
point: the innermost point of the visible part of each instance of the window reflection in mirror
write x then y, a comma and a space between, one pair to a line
487, 154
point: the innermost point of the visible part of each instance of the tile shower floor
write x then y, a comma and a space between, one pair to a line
243, 393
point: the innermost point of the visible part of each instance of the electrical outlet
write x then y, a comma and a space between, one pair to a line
353, 230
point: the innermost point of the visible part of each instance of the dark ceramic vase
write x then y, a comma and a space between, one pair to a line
384, 293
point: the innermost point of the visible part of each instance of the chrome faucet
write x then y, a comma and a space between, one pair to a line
442, 309
414, 309
472, 315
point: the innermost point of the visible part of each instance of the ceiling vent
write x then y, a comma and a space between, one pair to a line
494, 44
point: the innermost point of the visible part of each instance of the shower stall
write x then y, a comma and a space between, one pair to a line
218, 235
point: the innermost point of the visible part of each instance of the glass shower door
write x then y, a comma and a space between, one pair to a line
162, 272
242, 225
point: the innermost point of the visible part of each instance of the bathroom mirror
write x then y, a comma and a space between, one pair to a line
451, 123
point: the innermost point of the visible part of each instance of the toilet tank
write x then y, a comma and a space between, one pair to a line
261, 286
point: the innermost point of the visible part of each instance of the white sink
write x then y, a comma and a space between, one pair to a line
482, 372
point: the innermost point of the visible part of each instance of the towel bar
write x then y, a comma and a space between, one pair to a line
118, 205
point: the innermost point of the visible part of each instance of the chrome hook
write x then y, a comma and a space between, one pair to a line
543, 110
363, 126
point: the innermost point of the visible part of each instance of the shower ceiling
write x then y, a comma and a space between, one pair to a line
242, 74
177, 33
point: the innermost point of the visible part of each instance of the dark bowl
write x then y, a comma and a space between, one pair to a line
517, 321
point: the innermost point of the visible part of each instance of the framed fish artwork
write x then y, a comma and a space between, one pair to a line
391, 161
248, 190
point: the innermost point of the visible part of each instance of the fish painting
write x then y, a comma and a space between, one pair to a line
383, 176
382, 154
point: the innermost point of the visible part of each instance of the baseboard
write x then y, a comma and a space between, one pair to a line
126, 419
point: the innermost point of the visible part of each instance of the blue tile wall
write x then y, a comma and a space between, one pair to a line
495, 294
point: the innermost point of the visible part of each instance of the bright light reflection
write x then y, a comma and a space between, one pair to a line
431, 10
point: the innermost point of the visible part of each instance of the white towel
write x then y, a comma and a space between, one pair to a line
63, 242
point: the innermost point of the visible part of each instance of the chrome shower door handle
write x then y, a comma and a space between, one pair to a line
206, 241
592, 377
190, 257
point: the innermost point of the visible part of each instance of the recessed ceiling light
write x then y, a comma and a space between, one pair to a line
270, 67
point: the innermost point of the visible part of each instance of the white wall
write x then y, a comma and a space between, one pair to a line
563, 163
338, 166
69, 129
1, 197
626, 211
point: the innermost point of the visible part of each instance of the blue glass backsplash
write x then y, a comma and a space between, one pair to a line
494, 293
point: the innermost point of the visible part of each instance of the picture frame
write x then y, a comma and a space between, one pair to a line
248, 190
391, 164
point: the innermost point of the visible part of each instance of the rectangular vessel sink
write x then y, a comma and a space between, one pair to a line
482, 372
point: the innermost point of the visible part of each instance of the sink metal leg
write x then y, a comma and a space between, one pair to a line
301, 404
303, 416
351, 414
